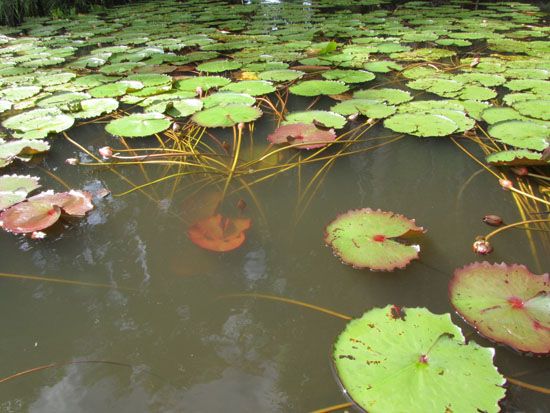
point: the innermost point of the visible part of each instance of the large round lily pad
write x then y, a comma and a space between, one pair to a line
506, 303
326, 119
411, 360
15, 188
138, 124
36, 124
421, 124
29, 216
318, 87
365, 238
251, 87
226, 116
521, 134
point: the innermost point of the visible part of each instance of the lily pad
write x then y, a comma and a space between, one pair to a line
517, 157
15, 188
184, 107
250, 87
219, 66
18, 93
21, 147
38, 123
301, 133
204, 82
228, 98
138, 124
365, 238
28, 216
535, 108
226, 116
410, 360
281, 75
387, 95
318, 87
494, 115
521, 134
349, 76
91, 108
506, 303
421, 124
218, 233
369, 108
75, 203
327, 119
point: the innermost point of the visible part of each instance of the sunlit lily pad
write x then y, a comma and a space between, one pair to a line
38, 123
184, 107
506, 303
138, 124
75, 203
204, 82
228, 98
29, 216
226, 116
349, 76
365, 238
521, 134
369, 108
535, 108
411, 360
15, 188
219, 66
318, 87
494, 115
389, 96
91, 108
250, 87
327, 119
21, 147
516, 157
421, 124
282, 75
18, 93
301, 133
218, 233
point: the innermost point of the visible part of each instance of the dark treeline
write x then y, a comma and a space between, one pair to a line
14, 12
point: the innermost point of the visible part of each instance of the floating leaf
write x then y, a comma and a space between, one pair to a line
219, 66
204, 82
91, 108
389, 96
228, 98
506, 303
517, 157
23, 147
410, 360
370, 108
298, 133
318, 87
521, 134
494, 115
218, 233
282, 75
250, 87
15, 188
327, 119
75, 203
138, 124
534, 108
421, 124
226, 116
62, 100
29, 216
349, 76
18, 93
38, 123
364, 238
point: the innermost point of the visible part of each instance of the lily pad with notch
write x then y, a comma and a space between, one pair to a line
307, 136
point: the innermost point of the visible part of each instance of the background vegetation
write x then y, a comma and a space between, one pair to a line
13, 12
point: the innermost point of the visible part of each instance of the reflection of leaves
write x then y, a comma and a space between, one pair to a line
219, 233
411, 360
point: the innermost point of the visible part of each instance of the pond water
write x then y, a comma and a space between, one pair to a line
185, 329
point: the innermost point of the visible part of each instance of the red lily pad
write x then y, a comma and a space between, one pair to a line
365, 238
219, 233
302, 133
75, 203
29, 216
505, 303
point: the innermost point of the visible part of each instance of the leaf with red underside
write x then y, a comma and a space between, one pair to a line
29, 216
505, 303
75, 203
218, 233
365, 238
302, 133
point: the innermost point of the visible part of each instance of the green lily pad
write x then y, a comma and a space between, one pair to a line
517, 157
18, 93
15, 188
150, 79
91, 108
21, 147
318, 87
219, 66
364, 238
349, 76
5, 105
184, 107
506, 303
387, 95
250, 87
281, 75
327, 119
483, 79
228, 98
62, 100
421, 124
382, 66
112, 90
38, 123
369, 108
138, 125
226, 116
494, 115
55, 79
204, 82
535, 108
521, 134
441, 87
410, 360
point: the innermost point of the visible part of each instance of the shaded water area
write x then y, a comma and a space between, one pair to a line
164, 326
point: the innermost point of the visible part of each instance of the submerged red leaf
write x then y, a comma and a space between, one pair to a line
218, 233
29, 216
298, 133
